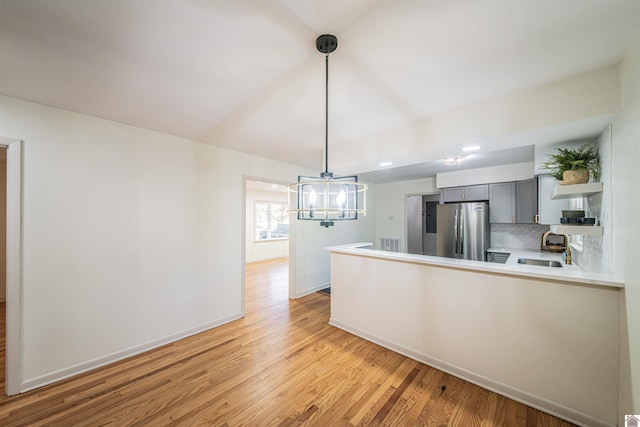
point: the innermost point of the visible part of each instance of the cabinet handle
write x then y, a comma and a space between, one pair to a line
513, 218
536, 219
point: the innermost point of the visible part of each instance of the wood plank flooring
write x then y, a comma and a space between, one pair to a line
281, 365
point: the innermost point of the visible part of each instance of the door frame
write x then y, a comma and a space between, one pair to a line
13, 352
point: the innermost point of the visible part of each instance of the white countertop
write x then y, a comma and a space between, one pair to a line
566, 273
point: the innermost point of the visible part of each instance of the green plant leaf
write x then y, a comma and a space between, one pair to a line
584, 157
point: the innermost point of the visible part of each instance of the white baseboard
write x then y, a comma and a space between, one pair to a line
79, 368
269, 258
518, 395
310, 291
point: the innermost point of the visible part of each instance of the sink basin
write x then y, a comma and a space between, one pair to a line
541, 262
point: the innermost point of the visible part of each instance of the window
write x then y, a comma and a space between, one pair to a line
271, 221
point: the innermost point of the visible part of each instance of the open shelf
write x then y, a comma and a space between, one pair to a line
585, 230
576, 190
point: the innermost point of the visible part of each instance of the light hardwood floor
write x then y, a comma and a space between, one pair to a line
281, 365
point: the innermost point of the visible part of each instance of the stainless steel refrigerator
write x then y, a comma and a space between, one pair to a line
463, 230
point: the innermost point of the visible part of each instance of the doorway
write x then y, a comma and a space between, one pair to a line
267, 221
266, 234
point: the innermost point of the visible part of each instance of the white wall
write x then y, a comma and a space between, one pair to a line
269, 249
310, 270
626, 238
133, 238
391, 217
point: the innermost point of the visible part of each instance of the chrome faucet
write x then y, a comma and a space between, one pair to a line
567, 248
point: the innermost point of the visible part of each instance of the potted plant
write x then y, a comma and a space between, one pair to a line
574, 165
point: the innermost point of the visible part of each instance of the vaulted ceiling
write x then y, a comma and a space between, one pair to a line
245, 74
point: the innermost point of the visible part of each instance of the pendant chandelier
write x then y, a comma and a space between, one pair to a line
328, 198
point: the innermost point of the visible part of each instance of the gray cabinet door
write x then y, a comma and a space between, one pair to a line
471, 193
476, 193
502, 203
497, 257
453, 194
527, 201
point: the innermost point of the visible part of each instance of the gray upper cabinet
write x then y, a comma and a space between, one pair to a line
476, 193
527, 201
513, 202
453, 194
502, 202
471, 193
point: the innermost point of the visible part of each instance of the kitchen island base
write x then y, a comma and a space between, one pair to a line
552, 345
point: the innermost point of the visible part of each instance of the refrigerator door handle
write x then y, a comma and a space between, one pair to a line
455, 231
461, 225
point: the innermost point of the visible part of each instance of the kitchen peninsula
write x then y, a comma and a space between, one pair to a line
544, 336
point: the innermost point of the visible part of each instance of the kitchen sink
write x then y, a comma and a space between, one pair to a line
541, 262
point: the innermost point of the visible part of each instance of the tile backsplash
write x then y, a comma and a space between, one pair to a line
520, 236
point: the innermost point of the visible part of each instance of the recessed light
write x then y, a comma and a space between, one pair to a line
471, 148
383, 164
274, 186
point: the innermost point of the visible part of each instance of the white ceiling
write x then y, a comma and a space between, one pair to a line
245, 74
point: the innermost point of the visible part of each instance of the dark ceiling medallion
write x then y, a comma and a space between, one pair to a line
326, 43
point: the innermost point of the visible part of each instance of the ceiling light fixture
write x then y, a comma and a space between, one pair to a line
471, 148
384, 164
452, 161
328, 198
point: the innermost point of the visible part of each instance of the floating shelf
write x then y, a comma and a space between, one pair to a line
585, 230
576, 190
